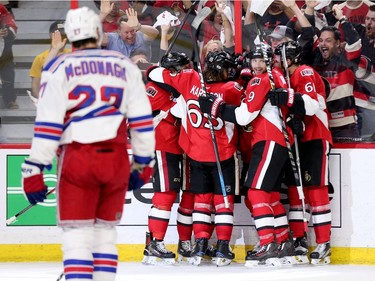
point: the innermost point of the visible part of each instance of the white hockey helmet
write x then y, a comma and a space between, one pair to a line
83, 23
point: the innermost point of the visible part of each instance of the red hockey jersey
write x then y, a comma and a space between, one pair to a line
167, 127
309, 83
195, 136
257, 110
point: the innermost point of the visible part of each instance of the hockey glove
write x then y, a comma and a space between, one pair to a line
298, 105
297, 125
246, 74
33, 183
281, 96
211, 104
141, 172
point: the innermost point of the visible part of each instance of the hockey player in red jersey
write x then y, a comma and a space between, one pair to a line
269, 154
170, 172
315, 140
196, 140
84, 99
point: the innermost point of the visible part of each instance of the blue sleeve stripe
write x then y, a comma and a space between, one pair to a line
139, 118
48, 137
144, 130
49, 124
142, 159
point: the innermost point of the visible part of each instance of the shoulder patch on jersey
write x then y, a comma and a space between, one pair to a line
187, 70
238, 86
255, 81
307, 72
151, 91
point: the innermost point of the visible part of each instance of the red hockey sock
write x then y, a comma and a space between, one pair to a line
202, 215
160, 212
321, 213
296, 220
263, 214
281, 220
185, 216
223, 217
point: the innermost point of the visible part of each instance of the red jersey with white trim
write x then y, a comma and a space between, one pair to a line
232, 93
308, 82
257, 110
195, 136
356, 14
167, 127
84, 97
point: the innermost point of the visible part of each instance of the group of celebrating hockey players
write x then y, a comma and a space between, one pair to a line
192, 132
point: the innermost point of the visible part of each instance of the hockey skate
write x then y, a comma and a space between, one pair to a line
224, 254
156, 253
210, 254
300, 251
184, 251
199, 250
265, 255
286, 253
321, 254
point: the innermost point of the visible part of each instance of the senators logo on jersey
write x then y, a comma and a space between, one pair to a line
151, 91
255, 81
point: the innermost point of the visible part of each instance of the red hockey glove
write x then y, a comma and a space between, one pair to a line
281, 96
297, 125
140, 174
246, 74
33, 183
211, 105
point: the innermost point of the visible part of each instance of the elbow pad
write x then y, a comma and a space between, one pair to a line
298, 106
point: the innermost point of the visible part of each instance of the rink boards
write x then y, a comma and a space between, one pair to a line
35, 237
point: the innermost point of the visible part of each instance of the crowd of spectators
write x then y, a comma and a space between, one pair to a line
344, 52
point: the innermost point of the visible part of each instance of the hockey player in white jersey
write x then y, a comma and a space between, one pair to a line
85, 97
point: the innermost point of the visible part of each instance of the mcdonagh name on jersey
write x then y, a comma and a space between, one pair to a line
95, 67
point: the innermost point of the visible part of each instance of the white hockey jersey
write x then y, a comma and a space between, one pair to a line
84, 96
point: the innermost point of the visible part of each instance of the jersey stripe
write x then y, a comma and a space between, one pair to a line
46, 130
142, 123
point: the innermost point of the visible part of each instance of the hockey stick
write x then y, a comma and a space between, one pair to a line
174, 38
14, 218
60, 276
301, 195
194, 30
283, 125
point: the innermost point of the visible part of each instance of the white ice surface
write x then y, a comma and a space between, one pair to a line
205, 272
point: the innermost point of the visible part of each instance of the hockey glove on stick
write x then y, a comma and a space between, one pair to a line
211, 105
33, 183
280, 96
141, 172
297, 125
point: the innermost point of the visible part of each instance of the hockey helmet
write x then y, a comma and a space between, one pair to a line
219, 60
292, 51
83, 23
174, 60
258, 52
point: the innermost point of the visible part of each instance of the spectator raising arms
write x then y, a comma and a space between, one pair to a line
131, 34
